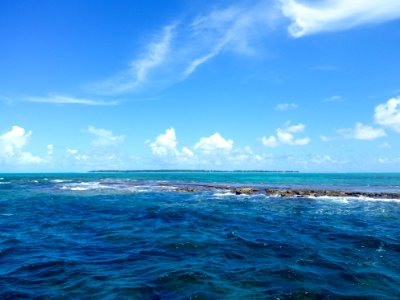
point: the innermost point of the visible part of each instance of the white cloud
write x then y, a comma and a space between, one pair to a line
187, 152
325, 138
334, 15
362, 132
213, 143
322, 159
50, 150
59, 99
104, 137
180, 49
165, 149
335, 98
26, 158
270, 141
165, 143
16, 138
231, 29
384, 160
154, 56
388, 114
286, 137
209, 152
286, 106
11, 147
72, 151
76, 155
97, 158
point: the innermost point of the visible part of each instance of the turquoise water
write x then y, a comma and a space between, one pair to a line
123, 236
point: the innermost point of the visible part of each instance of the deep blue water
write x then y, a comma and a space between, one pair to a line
121, 236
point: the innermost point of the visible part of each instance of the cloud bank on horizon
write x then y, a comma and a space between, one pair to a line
209, 151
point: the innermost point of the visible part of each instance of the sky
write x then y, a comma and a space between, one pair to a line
312, 86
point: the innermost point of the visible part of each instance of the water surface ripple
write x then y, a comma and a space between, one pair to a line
106, 238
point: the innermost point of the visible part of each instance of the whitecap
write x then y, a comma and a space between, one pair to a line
347, 199
85, 186
223, 194
59, 180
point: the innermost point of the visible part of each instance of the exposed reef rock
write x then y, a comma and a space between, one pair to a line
245, 191
285, 192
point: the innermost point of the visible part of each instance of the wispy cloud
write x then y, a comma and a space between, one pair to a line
334, 15
325, 68
181, 48
59, 99
286, 106
154, 56
335, 98
104, 137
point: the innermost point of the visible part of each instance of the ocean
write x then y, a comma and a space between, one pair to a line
136, 236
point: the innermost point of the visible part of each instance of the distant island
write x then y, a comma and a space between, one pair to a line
191, 171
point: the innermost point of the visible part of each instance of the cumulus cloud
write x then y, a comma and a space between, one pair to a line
333, 15
213, 143
286, 136
104, 137
212, 152
286, 106
165, 143
59, 99
362, 132
165, 147
388, 114
11, 147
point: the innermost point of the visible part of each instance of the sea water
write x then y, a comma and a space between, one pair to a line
132, 236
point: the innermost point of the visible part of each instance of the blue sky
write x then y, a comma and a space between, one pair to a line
270, 85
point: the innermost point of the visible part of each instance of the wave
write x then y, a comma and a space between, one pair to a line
114, 186
349, 198
60, 180
85, 186
223, 194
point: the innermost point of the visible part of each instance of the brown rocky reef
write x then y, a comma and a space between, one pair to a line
287, 192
